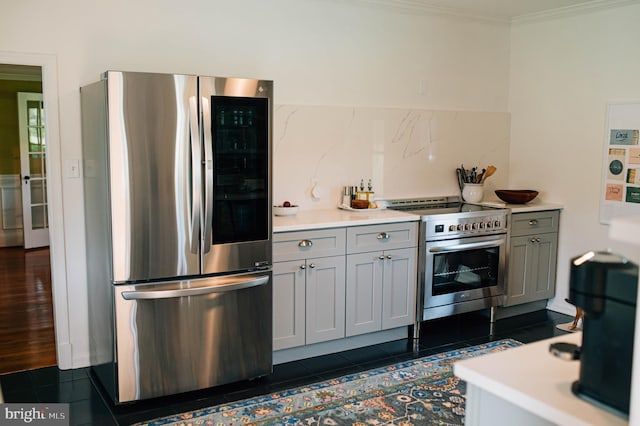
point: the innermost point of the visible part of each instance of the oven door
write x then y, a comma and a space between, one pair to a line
464, 269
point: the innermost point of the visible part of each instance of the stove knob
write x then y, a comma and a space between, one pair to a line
466, 226
496, 224
474, 225
489, 225
452, 228
481, 225
459, 227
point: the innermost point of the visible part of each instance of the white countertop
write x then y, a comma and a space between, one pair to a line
533, 206
531, 378
335, 218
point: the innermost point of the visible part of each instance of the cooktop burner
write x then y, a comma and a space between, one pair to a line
447, 217
434, 206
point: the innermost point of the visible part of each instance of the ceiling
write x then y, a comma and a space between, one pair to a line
501, 10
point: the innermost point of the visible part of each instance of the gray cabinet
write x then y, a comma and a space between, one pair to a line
325, 315
381, 277
308, 287
334, 283
532, 257
289, 300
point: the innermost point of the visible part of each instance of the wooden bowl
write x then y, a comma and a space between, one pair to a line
516, 196
359, 204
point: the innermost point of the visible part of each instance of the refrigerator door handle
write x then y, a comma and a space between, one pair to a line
208, 170
199, 291
196, 174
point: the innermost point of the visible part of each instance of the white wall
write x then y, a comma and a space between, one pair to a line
318, 53
563, 73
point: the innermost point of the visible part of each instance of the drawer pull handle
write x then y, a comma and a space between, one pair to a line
388, 256
305, 243
312, 265
383, 236
381, 257
533, 222
533, 240
303, 267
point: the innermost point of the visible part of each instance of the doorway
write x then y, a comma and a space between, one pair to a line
27, 335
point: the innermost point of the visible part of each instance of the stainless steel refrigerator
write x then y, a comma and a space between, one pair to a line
177, 190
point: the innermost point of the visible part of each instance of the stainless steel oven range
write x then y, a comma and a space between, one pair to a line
462, 255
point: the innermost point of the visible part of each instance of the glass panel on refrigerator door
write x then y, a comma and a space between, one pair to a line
240, 169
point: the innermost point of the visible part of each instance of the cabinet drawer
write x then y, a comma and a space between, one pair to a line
534, 223
305, 244
362, 239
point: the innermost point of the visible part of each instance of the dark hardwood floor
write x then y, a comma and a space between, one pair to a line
27, 338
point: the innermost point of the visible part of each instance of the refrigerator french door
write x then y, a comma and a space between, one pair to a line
177, 179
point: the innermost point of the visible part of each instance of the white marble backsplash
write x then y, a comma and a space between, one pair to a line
405, 152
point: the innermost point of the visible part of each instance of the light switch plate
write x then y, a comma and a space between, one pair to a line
72, 168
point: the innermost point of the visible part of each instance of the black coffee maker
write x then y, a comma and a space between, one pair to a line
604, 285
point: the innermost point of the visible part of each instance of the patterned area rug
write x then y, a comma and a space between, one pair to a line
423, 391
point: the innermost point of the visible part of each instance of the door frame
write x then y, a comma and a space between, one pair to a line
48, 65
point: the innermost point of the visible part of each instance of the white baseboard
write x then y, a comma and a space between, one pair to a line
561, 307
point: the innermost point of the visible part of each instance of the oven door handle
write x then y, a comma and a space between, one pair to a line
460, 247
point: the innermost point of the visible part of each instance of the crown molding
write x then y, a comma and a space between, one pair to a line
421, 6
563, 12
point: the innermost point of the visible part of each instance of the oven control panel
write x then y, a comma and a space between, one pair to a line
455, 226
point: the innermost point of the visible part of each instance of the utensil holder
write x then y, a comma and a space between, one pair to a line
472, 192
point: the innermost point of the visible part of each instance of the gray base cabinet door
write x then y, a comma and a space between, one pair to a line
532, 268
399, 288
289, 304
380, 290
325, 316
364, 293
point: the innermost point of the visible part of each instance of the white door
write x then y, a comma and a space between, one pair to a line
33, 170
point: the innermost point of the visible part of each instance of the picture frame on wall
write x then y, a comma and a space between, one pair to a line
620, 193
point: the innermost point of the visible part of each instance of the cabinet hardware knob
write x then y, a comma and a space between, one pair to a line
303, 267
537, 240
533, 222
388, 256
305, 243
312, 265
533, 240
381, 257
383, 236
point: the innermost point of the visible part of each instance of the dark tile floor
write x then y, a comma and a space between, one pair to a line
87, 406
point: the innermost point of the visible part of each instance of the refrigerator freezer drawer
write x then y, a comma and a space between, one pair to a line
193, 334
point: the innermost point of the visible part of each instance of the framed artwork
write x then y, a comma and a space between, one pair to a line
621, 170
